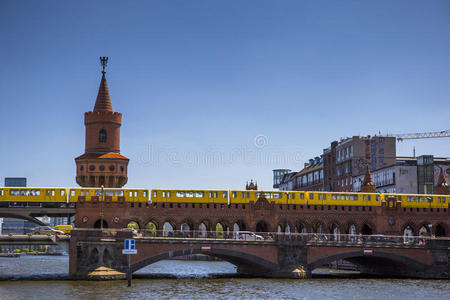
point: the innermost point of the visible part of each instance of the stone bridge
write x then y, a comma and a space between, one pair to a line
273, 255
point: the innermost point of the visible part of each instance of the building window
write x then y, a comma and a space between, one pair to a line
102, 136
102, 168
92, 167
111, 168
81, 168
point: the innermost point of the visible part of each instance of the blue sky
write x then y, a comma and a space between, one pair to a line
214, 93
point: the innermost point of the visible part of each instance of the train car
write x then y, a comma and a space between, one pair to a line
110, 194
245, 196
189, 196
33, 197
422, 200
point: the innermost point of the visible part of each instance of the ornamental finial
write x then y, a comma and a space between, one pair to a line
103, 62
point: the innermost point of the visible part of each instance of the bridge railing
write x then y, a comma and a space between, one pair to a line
312, 238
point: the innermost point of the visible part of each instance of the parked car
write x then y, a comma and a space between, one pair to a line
64, 228
48, 230
249, 236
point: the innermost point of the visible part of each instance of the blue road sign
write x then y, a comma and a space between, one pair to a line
129, 245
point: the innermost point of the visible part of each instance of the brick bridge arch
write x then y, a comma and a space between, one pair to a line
378, 262
245, 262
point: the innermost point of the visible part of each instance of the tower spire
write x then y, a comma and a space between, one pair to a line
103, 102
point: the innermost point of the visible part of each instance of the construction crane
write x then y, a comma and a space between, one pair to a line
423, 135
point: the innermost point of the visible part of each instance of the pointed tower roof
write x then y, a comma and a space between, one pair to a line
442, 181
368, 178
103, 102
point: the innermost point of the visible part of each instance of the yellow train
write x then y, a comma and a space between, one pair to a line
63, 197
66, 197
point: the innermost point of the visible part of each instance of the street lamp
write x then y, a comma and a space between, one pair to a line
101, 209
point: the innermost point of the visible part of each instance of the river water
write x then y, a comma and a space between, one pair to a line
43, 277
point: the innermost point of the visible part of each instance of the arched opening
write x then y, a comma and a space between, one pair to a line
102, 136
219, 230
408, 234
167, 229
380, 263
288, 228
302, 228
98, 223
94, 257
366, 230
133, 225
185, 227
423, 231
107, 258
262, 226
440, 231
246, 263
318, 228
203, 230
336, 232
150, 229
279, 228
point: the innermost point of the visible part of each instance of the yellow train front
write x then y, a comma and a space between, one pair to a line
33, 197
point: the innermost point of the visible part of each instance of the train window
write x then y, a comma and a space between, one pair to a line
98, 193
199, 194
334, 197
24, 192
190, 194
243, 194
233, 195
164, 193
180, 194
130, 193
311, 196
278, 195
1, 192
324, 196
378, 198
302, 196
293, 197
109, 193
210, 195
72, 193
268, 195
62, 192
369, 197
154, 194
135, 193
144, 193
14, 192
355, 197
35, 192
287, 196
168, 194
364, 197
248, 195
320, 196
87, 193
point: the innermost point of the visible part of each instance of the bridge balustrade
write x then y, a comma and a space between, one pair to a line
307, 238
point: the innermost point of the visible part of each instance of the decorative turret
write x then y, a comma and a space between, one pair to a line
368, 186
102, 163
442, 186
252, 186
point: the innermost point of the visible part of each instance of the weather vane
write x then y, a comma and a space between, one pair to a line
103, 61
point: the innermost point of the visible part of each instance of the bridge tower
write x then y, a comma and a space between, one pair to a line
102, 163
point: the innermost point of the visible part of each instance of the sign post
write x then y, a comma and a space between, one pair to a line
129, 249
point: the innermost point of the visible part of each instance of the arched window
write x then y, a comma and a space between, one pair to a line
102, 136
